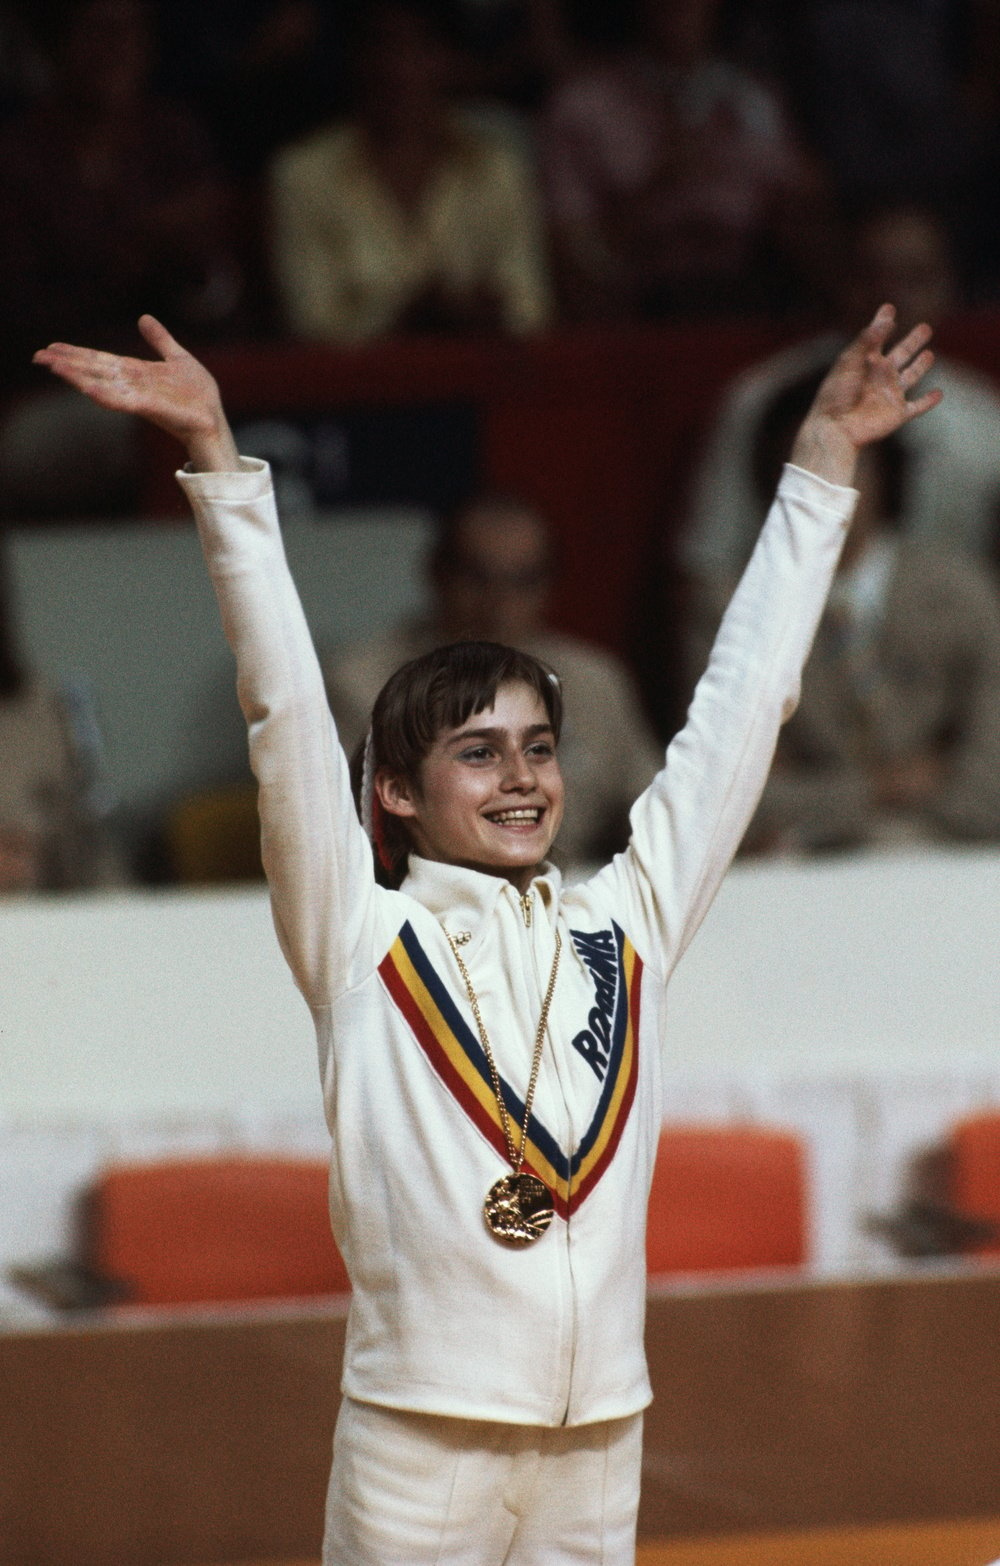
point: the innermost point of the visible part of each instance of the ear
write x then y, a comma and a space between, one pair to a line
396, 793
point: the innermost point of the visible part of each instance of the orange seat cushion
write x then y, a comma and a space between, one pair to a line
726, 1197
215, 1229
974, 1174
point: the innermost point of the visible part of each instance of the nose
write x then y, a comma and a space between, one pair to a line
517, 773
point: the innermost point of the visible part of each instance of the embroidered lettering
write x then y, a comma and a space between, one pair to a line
600, 954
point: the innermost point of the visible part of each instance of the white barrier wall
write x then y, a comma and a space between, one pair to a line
128, 609
149, 1004
856, 1000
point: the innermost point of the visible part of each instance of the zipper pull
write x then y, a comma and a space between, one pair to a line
526, 909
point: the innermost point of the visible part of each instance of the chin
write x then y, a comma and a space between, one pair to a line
529, 859
514, 862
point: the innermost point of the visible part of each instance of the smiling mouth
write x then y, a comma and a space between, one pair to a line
523, 816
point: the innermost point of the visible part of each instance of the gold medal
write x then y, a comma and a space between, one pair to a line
518, 1209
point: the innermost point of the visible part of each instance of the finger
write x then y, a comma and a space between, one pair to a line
106, 377
880, 326
909, 346
100, 384
885, 373
67, 367
911, 373
54, 351
70, 356
158, 337
918, 405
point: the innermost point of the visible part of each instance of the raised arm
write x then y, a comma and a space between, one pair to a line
688, 824
317, 859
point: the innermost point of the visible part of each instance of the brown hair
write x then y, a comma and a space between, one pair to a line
428, 695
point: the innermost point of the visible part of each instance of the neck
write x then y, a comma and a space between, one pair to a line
519, 878
522, 879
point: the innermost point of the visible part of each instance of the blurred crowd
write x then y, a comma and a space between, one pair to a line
345, 170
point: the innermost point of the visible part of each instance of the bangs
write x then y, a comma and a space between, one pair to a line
444, 688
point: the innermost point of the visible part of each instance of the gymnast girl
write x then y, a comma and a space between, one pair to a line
492, 1042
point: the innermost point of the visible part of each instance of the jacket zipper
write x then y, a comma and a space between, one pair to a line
569, 1352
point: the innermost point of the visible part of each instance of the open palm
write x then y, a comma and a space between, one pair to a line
866, 394
173, 391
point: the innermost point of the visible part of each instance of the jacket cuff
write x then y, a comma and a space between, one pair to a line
251, 481
799, 484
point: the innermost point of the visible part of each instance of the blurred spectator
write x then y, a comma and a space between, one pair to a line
896, 738
674, 182
899, 99
260, 73
408, 217
490, 573
951, 486
112, 199
52, 833
111, 203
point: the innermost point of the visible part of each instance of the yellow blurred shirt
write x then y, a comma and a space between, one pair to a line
349, 260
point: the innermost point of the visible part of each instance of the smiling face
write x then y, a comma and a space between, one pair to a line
489, 794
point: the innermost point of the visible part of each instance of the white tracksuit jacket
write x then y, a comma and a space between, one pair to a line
445, 1319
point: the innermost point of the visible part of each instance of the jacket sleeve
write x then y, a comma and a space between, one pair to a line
687, 825
317, 858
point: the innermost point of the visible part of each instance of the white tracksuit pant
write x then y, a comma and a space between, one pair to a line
424, 1490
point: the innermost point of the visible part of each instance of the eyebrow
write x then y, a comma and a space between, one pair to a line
531, 732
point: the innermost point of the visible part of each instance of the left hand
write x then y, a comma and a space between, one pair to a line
865, 397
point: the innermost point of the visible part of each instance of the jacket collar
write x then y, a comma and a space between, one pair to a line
464, 899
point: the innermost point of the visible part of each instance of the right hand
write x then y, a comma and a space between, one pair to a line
175, 392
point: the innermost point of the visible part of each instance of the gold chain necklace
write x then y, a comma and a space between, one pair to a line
518, 1208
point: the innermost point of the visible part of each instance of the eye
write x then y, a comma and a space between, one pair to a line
476, 753
542, 750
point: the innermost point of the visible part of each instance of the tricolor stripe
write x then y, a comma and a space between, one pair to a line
597, 1147
456, 1054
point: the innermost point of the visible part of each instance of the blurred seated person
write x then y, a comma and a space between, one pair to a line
490, 572
109, 197
674, 183
922, 82
51, 837
896, 738
408, 217
951, 483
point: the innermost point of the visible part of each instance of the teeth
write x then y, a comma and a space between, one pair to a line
515, 815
